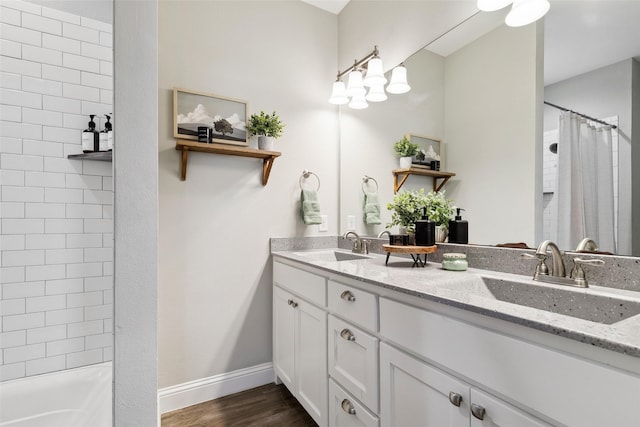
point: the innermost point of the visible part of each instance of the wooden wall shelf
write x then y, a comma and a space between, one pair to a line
100, 156
401, 175
186, 145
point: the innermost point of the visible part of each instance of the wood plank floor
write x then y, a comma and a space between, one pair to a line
268, 405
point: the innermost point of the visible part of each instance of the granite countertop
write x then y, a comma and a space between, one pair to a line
474, 290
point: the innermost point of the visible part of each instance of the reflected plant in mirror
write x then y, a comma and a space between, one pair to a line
439, 208
407, 208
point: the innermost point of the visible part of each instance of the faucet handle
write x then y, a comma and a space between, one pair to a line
365, 246
541, 268
577, 273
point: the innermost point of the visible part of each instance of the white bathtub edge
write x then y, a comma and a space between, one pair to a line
193, 392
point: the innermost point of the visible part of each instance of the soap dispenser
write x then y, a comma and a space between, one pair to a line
458, 229
90, 137
425, 230
109, 128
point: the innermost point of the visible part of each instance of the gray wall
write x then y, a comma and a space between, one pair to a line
215, 267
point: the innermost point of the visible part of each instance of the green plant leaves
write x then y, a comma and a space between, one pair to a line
265, 124
405, 148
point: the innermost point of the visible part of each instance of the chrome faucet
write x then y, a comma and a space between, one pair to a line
383, 232
556, 257
558, 274
587, 245
360, 246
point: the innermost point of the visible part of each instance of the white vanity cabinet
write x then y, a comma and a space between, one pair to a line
356, 354
300, 337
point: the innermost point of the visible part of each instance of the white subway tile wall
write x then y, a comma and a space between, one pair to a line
56, 214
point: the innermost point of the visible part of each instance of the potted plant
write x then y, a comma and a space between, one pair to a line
407, 209
405, 149
440, 211
267, 127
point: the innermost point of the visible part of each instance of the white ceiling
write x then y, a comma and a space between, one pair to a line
333, 6
580, 35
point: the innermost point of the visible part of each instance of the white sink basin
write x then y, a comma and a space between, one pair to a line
332, 255
580, 303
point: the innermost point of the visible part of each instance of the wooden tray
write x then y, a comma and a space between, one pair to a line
414, 251
410, 249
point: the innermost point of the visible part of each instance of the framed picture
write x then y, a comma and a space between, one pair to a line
430, 149
225, 117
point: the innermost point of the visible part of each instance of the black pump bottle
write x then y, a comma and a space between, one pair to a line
425, 230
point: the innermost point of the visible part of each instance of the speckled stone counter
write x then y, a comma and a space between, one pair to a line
486, 292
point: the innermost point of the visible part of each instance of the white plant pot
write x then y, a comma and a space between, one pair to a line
405, 162
441, 234
266, 142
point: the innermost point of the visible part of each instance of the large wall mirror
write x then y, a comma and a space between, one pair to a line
481, 89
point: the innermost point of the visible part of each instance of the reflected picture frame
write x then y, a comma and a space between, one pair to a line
225, 117
427, 144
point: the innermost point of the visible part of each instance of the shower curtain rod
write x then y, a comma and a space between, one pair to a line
581, 115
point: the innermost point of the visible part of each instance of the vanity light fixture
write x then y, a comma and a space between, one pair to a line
355, 92
522, 12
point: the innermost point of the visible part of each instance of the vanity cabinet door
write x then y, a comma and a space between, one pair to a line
311, 360
490, 412
353, 361
300, 351
413, 393
283, 337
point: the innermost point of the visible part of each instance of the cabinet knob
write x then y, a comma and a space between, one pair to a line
455, 398
292, 303
478, 411
347, 296
348, 407
347, 335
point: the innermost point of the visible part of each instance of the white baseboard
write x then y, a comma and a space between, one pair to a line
198, 391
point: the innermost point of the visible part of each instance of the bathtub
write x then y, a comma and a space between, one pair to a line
78, 397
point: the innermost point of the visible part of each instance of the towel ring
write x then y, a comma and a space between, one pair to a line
366, 179
305, 175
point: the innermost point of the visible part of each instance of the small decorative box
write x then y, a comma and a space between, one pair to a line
454, 261
399, 239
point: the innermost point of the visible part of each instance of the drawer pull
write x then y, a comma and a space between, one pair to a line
347, 335
478, 411
348, 407
347, 296
455, 398
292, 303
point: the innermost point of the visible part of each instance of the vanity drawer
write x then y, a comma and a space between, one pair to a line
350, 303
353, 361
302, 283
346, 411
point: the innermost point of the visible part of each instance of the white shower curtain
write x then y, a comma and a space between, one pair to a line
585, 199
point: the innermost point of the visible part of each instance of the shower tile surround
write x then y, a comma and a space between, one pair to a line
56, 236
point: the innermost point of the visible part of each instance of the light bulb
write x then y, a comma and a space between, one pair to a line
399, 80
375, 73
525, 12
358, 102
338, 94
376, 94
355, 86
